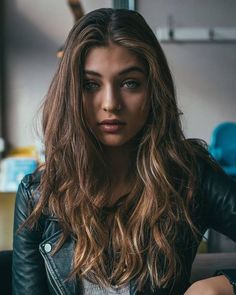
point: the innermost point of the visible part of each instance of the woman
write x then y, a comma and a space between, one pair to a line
123, 199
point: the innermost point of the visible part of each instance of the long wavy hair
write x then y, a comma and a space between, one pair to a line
142, 240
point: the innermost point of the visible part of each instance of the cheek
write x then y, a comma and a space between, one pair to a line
140, 115
144, 114
89, 110
144, 108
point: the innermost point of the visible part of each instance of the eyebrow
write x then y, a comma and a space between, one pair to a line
125, 71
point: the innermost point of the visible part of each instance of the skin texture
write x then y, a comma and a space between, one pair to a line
115, 87
212, 286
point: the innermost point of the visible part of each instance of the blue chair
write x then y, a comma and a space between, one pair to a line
223, 147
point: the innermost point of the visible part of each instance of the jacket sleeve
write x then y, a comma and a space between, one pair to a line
28, 271
218, 196
219, 203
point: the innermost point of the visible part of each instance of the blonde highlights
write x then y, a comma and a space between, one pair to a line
142, 240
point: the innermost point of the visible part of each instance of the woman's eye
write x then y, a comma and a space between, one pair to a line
90, 86
131, 84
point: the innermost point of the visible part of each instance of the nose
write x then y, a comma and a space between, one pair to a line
111, 99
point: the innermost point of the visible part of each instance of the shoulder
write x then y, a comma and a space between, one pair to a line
212, 182
28, 191
32, 180
206, 165
215, 196
209, 172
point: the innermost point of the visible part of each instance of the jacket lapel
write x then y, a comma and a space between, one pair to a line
59, 265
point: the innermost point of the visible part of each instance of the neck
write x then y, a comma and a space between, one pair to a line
118, 159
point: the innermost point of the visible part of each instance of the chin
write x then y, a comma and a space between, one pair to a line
113, 144
117, 143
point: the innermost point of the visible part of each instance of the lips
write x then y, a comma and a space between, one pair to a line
111, 125
112, 122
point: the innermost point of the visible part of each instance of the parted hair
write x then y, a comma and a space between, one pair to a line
142, 240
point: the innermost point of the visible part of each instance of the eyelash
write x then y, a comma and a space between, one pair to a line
135, 84
93, 86
89, 85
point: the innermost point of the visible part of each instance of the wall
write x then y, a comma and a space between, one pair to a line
35, 31
204, 73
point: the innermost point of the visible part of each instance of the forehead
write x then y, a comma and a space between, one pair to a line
112, 57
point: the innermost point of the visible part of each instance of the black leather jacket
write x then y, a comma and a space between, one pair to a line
37, 272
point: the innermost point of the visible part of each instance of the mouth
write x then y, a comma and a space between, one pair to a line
111, 126
111, 122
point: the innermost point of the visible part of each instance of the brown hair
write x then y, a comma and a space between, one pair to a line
143, 237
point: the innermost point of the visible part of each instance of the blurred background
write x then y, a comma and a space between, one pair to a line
199, 40
204, 72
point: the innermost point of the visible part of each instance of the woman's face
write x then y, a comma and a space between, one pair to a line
116, 100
